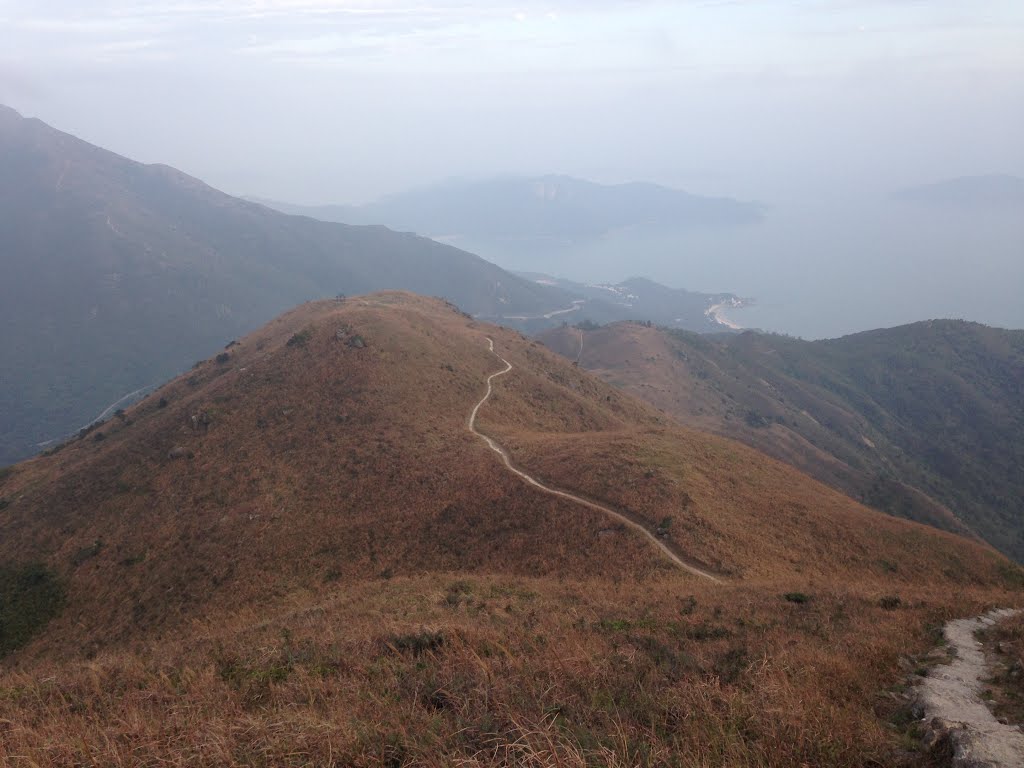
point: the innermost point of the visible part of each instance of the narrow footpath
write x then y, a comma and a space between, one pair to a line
951, 699
619, 516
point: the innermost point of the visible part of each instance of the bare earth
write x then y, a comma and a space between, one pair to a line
951, 702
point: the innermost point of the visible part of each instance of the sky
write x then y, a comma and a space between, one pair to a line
316, 101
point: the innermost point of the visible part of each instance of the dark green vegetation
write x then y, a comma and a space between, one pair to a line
924, 421
30, 596
118, 275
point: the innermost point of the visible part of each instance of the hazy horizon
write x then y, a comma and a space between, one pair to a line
819, 110
314, 101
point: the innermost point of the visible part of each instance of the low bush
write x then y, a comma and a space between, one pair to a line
416, 643
86, 553
30, 596
301, 338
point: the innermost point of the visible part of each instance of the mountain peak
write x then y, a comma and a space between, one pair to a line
147, 268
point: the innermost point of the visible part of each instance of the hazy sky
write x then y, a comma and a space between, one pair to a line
314, 100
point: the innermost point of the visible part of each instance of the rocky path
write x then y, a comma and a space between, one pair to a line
950, 698
619, 516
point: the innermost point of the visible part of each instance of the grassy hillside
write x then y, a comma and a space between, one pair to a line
298, 554
923, 421
118, 275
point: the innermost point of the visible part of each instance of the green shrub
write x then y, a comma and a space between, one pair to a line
30, 596
797, 597
1012, 575
86, 553
755, 420
301, 338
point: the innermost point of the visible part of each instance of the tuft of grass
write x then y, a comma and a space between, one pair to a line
1012, 575
87, 552
797, 597
416, 643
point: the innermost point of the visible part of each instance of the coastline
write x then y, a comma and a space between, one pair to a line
716, 313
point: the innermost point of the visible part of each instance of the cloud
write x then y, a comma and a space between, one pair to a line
721, 38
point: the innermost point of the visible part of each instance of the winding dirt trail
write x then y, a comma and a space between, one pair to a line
950, 697
622, 518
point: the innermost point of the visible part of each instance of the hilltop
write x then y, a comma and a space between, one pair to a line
118, 275
923, 421
298, 552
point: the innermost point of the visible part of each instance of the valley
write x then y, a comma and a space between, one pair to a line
921, 421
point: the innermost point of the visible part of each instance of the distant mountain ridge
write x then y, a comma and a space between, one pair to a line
924, 421
549, 208
998, 190
118, 275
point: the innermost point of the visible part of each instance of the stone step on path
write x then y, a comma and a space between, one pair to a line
950, 698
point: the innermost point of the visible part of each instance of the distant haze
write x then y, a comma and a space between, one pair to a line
333, 101
846, 261
821, 111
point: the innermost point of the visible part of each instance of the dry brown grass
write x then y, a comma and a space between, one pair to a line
342, 574
462, 669
1004, 646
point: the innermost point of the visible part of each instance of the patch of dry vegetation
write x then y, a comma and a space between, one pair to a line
1004, 644
477, 670
299, 555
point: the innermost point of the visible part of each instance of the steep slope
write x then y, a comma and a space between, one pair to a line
118, 275
299, 553
335, 441
923, 421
